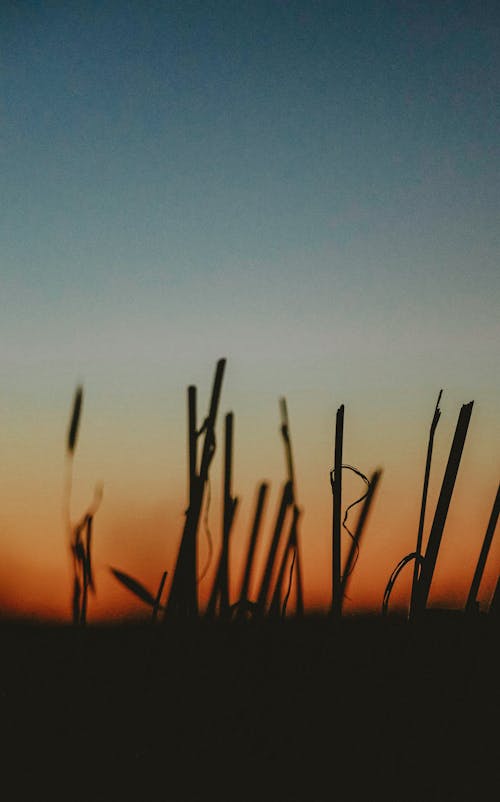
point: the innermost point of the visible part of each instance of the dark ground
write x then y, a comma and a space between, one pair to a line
370, 709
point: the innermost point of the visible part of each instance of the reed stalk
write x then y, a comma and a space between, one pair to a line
183, 597
285, 503
358, 533
418, 551
292, 550
438, 524
157, 606
336, 608
277, 606
220, 589
471, 604
244, 603
494, 608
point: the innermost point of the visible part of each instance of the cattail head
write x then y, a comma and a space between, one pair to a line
75, 419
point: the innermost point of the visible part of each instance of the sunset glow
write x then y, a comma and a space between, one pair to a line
139, 523
308, 190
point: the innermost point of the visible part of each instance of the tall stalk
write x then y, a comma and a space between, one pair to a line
220, 589
358, 533
418, 550
471, 604
436, 533
336, 608
243, 597
285, 503
183, 598
291, 553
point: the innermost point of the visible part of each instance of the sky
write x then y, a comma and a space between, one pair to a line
309, 189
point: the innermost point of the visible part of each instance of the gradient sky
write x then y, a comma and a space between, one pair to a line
310, 189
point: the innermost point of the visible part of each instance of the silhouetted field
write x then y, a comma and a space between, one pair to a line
311, 709
248, 700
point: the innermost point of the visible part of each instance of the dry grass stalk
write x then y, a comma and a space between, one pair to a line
436, 533
336, 518
471, 604
183, 598
220, 589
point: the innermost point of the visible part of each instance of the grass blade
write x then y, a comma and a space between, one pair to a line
245, 582
360, 527
418, 551
134, 587
286, 502
440, 515
336, 518
156, 606
483, 556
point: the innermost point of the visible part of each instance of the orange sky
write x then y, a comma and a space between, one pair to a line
138, 526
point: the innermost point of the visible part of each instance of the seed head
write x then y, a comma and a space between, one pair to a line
75, 419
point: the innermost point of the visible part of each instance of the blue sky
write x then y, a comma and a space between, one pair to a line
271, 173
295, 182
158, 142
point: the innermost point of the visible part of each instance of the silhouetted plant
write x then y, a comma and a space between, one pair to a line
291, 554
81, 533
336, 481
341, 578
183, 597
425, 564
285, 504
244, 605
472, 604
140, 591
220, 590
352, 555
436, 533
494, 608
